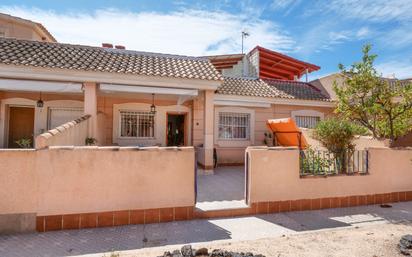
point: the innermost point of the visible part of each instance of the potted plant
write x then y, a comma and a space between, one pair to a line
268, 140
90, 141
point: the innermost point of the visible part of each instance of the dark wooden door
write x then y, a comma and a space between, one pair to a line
175, 134
21, 125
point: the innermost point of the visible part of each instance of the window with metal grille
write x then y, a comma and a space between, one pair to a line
136, 124
234, 125
307, 121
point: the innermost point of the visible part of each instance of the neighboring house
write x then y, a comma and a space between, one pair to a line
139, 98
15, 27
325, 83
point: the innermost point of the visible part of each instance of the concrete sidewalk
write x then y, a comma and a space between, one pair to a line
100, 240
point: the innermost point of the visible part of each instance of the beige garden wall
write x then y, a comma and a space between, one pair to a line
274, 176
91, 179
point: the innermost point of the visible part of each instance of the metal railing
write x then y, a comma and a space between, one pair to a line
325, 163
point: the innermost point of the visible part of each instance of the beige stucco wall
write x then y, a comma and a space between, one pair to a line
81, 180
325, 84
274, 176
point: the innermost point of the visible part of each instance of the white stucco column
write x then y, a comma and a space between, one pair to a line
208, 130
90, 106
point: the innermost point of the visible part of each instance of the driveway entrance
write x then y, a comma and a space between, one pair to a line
225, 189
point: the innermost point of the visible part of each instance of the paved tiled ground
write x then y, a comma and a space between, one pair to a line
222, 190
97, 241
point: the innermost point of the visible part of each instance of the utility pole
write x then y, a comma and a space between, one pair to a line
244, 35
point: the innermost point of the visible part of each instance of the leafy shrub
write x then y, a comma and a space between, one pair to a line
337, 136
315, 163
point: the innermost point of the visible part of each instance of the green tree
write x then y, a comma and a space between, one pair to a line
369, 100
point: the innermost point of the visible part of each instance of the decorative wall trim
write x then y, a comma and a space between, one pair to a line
112, 218
149, 216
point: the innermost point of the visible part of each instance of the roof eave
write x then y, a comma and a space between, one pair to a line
278, 100
57, 74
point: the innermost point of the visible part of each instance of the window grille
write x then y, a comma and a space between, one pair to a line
136, 124
234, 125
307, 121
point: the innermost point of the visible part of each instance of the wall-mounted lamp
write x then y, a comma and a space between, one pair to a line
153, 107
40, 102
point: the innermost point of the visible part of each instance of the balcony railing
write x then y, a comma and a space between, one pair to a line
325, 163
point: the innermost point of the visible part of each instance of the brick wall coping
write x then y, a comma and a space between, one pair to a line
60, 129
272, 148
122, 148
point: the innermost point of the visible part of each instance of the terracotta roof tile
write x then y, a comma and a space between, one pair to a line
297, 89
270, 88
98, 59
246, 87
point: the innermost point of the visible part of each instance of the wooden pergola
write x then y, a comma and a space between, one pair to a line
279, 66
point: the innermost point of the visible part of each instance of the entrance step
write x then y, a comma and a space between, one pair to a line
223, 213
221, 205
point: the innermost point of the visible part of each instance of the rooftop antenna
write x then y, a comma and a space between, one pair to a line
244, 35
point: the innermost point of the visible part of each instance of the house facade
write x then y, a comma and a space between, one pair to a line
149, 99
15, 27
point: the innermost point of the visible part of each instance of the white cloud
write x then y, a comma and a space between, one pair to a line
323, 37
363, 32
371, 10
188, 32
399, 37
400, 69
285, 5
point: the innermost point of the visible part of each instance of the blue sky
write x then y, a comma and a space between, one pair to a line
321, 32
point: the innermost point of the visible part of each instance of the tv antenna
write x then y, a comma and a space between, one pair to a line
245, 34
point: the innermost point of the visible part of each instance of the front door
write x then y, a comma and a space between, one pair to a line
175, 134
21, 125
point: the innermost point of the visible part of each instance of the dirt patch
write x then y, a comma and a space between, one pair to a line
374, 241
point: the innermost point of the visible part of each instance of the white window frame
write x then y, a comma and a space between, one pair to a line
235, 143
135, 111
234, 114
307, 113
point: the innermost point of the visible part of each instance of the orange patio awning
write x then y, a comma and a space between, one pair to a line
286, 133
